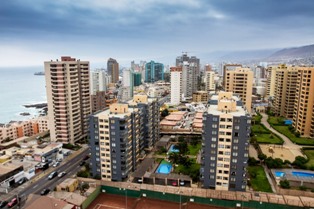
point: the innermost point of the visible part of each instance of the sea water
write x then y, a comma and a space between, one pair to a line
18, 87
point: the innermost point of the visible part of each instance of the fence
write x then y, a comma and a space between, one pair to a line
208, 197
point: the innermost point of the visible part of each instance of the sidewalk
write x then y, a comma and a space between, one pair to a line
294, 148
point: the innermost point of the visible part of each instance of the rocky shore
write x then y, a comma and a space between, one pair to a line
37, 106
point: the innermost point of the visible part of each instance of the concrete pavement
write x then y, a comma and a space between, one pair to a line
294, 148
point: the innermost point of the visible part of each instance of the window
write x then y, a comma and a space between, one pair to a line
214, 132
235, 154
211, 170
212, 158
215, 119
214, 139
234, 160
235, 147
236, 141
214, 125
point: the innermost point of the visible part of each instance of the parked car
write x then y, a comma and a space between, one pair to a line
86, 157
62, 174
56, 164
22, 181
140, 180
82, 163
59, 160
3, 204
174, 183
52, 175
12, 203
182, 183
45, 191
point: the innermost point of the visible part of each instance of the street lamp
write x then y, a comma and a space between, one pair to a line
243, 196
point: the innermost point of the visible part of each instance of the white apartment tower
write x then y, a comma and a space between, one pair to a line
99, 81
176, 85
68, 97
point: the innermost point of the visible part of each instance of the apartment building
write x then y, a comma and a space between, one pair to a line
115, 138
176, 90
303, 115
68, 96
270, 83
209, 79
150, 116
98, 101
200, 96
154, 71
285, 90
113, 70
225, 143
18, 129
228, 67
240, 82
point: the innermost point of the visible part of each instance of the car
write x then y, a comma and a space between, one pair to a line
174, 183
45, 191
86, 157
52, 175
140, 180
82, 163
12, 203
56, 164
59, 160
62, 174
3, 204
182, 183
22, 181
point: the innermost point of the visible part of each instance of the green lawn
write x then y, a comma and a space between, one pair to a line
310, 155
192, 171
258, 179
298, 140
259, 129
268, 139
193, 150
275, 122
257, 118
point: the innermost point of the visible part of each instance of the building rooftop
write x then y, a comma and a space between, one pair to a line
168, 123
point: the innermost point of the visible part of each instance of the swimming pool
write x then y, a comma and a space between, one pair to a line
173, 149
302, 174
164, 167
280, 174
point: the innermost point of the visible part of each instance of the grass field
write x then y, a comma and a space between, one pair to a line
276, 123
193, 150
259, 129
258, 179
310, 155
268, 139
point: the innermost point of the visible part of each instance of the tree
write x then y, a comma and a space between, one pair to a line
300, 162
285, 184
183, 147
252, 161
165, 113
262, 157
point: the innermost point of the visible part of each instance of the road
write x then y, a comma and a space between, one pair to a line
35, 186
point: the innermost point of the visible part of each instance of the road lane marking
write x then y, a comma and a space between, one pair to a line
35, 186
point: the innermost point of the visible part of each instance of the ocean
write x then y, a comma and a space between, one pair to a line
18, 87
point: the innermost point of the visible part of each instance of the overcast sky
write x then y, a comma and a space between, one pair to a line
34, 31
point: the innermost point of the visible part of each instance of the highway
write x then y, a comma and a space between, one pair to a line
70, 166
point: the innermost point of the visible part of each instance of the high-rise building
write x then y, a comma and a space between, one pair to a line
228, 67
98, 101
176, 85
154, 71
115, 142
303, 117
149, 114
190, 73
137, 79
68, 97
270, 83
113, 70
99, 81
225, 144
285, 90
240, 82
209, 79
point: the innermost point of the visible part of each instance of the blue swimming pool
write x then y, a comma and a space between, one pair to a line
280, 174
173, 149
164, 167
302, 174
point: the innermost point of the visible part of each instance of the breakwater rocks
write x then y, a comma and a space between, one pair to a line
37, 106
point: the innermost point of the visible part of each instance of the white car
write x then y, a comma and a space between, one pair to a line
61, 174
56, 164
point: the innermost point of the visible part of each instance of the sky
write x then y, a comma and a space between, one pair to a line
34, 31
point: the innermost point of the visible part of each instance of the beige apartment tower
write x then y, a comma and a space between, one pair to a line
68, 96
113, 70
284, 90
303, 117
240, 82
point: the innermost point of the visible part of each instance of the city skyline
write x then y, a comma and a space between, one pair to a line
37, 31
